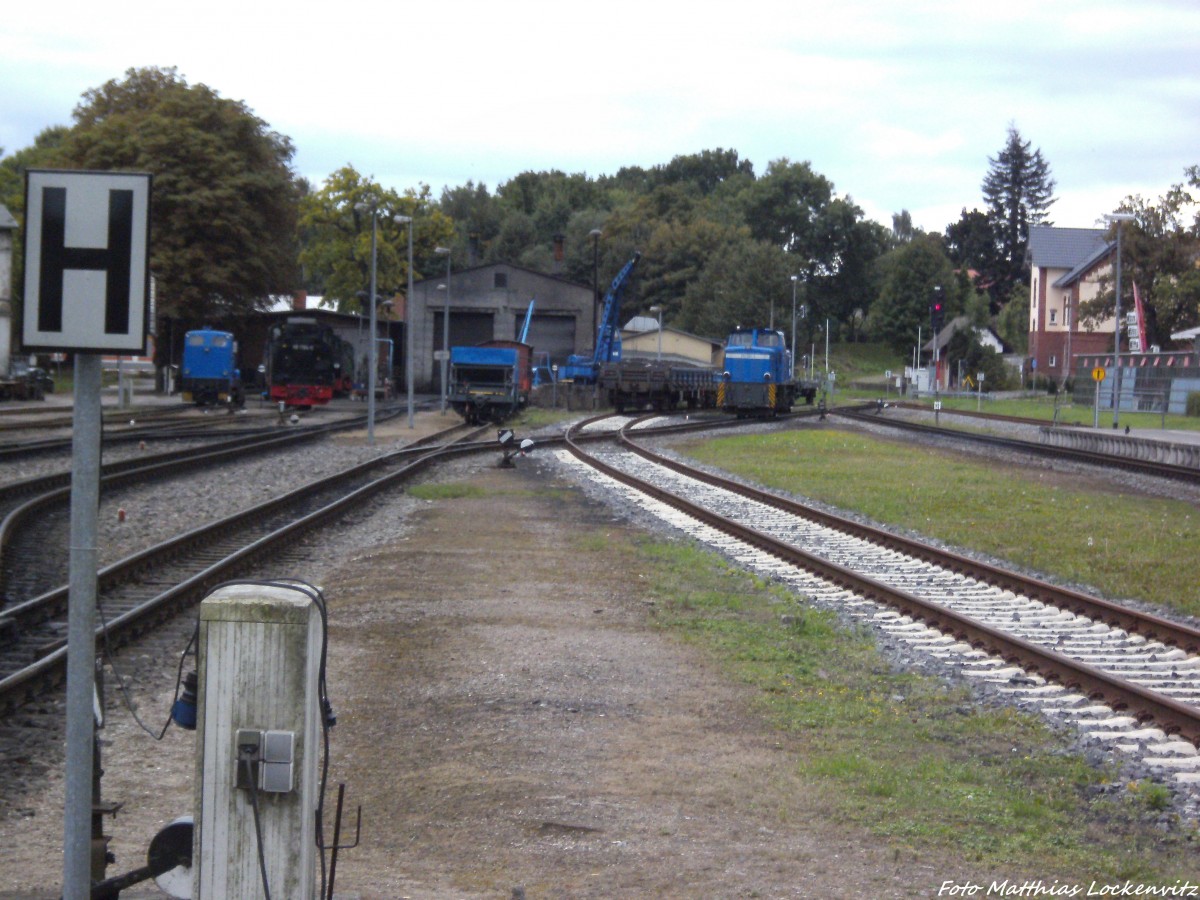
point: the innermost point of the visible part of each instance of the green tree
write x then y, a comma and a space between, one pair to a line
1159, 249
908, 276
706, 170
1018, 190
830, 247
224, 199
1012, 324
42, 155
736, 287
476, 215
336, 224
785, 207
971, 245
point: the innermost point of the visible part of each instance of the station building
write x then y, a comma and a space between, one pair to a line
1068, 268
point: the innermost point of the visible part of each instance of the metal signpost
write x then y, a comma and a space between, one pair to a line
87, 279
1097, 376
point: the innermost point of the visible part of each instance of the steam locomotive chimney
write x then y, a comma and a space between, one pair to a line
300, 301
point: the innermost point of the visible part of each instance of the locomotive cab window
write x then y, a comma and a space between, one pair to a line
770, 339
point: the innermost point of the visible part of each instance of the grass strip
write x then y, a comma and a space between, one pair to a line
913, 758
1073, 528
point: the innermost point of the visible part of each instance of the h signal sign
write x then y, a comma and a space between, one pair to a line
87, 252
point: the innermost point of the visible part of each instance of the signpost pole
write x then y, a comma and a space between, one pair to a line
87, 247
81, 628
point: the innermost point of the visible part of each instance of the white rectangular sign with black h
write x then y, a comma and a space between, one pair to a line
87, 261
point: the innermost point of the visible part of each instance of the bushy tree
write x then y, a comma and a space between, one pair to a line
1012, 324
224, 200
336, 222
908, 276
1159, 254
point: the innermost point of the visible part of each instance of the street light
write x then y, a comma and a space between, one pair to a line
1118, 218
795, 279
363, 207
408, 319
658, 309
445, 251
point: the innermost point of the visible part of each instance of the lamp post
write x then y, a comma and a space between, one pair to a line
445, 251
1118, 218
408, 319
658, 309
795, 279
594, 234
363, 207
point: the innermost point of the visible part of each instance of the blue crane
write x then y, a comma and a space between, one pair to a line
583, 369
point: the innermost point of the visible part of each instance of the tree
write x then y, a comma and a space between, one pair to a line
43, 154
705, 170
908, 275
1018, 191
224, 199
336, 224
971, 245
1012, 324
1159, 250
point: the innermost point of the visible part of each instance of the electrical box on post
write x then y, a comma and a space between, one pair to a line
259, 717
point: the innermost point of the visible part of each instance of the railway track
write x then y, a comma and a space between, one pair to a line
33, 510
1059, 649
137, 593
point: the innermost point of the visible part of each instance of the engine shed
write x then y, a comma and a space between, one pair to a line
489, 303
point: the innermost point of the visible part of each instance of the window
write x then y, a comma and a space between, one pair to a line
1054, 317
500, 280
1053, 361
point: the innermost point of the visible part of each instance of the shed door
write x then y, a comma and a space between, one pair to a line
550, 334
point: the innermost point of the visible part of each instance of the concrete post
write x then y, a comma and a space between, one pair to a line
259, 714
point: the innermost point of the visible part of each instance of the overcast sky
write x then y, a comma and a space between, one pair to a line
898, 104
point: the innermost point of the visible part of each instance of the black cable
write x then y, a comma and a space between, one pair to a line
262, 858
109, 656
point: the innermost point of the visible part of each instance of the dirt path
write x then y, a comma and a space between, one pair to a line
509, 717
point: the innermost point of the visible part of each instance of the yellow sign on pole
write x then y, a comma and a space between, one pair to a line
1098, 373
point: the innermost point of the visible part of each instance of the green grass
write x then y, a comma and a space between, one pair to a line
1124, 545
906, 756
534, 417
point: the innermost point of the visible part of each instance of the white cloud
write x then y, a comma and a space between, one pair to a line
900, 105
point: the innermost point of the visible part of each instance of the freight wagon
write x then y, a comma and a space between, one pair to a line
490, 381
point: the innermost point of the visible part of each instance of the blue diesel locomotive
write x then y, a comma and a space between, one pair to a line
210, 372
758, 378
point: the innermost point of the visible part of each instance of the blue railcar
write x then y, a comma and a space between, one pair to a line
491, 381
758, 378
210, 373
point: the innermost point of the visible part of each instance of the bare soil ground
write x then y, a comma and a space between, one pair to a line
513, 724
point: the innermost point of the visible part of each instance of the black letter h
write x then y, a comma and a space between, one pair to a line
115, 261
